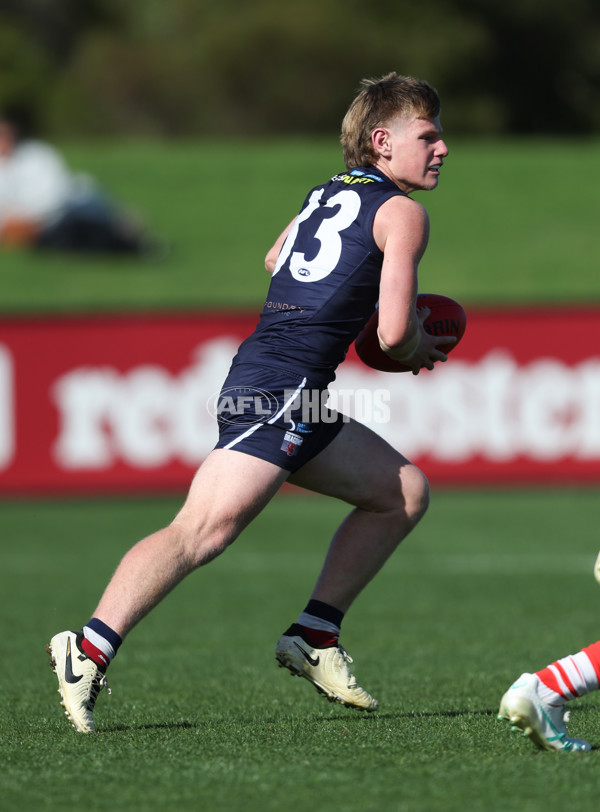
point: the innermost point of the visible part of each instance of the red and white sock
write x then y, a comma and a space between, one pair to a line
571, 676
100, 642
320, 624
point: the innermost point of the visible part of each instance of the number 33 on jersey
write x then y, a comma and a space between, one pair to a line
325, 284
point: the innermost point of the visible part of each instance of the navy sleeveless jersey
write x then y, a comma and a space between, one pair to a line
325, 284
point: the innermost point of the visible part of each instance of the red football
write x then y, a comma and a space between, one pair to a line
447, 318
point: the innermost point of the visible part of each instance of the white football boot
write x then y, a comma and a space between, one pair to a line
327, 669
543, 723
597, 569
79, 679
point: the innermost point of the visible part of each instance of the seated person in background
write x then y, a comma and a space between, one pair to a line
45, 205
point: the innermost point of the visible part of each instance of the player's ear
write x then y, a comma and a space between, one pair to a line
380, 138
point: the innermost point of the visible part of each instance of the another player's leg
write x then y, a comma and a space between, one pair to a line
390, 496
228, 491
535, 703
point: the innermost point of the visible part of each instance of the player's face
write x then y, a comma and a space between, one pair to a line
414, 152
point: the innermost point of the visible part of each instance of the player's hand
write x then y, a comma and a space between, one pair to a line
430, 349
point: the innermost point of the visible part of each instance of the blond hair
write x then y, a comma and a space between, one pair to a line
376, 104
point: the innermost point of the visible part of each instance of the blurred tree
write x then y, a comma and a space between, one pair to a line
193, 67
21, 69
543, 64
55, 26
37, 38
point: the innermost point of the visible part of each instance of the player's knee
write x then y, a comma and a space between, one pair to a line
415, 490
200, 544
406, 493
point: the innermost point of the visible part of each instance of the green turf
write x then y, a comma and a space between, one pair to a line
490, 584
511, 221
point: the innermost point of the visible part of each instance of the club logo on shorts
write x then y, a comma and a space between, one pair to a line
291, 443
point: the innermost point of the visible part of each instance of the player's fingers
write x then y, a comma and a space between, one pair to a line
443, 340
428, 365
422, 313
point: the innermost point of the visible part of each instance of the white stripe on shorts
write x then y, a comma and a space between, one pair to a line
275, 417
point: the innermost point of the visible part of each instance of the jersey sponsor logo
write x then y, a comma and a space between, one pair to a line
356, 176
366, 175
269, 305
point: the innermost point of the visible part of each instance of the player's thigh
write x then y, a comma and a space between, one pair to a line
361, 468
229, 489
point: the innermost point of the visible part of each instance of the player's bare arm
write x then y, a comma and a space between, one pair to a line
401, 230
273, 253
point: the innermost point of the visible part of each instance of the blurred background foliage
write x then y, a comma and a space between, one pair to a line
185, 68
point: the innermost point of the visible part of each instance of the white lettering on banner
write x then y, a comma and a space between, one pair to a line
146, 418
7, 407
493, 408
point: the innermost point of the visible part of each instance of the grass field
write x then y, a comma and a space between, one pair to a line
492, 583
511, 221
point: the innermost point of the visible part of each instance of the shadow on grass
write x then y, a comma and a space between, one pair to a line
342, 717
448, 714
181, 725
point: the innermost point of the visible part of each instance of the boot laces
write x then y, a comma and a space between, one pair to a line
99, 682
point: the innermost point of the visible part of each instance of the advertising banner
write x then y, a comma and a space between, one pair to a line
125, 403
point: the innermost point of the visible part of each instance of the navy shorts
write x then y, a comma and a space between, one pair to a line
276, 416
